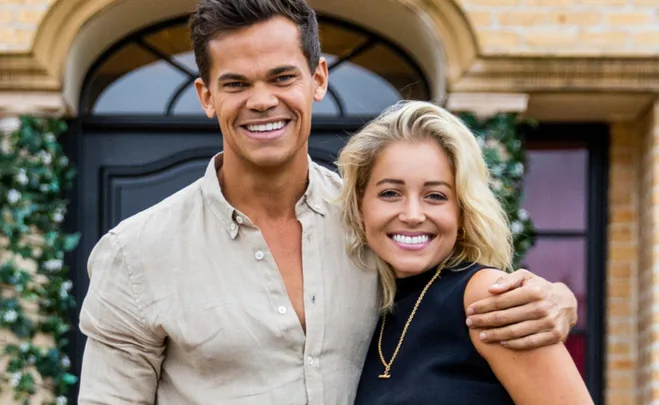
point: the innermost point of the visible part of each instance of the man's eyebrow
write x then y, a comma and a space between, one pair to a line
231, 76
282, 69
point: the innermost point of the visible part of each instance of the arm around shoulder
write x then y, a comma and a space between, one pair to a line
121, 363
543, 376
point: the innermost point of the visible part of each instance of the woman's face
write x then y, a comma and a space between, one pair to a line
410, 208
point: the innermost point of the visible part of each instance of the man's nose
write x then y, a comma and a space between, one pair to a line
261, 99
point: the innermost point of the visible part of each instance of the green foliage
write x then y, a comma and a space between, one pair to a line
501, 140
34, 172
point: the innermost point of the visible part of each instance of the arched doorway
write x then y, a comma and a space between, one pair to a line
141, 134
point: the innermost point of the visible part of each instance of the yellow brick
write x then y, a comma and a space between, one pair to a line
550, 39
621, 233
549, 3
618, 348
493, 3
481, 19
630, 18
618, 308
604, 39
625, 381
490, 38
620, 397
579, 18
619, 269
30, 16
603, 2
6, 16
621, 364
620, 288
646, 38
622, 214
522, 18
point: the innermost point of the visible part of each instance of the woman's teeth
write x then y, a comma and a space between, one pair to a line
411, 240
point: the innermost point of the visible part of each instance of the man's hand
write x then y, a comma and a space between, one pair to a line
525, 312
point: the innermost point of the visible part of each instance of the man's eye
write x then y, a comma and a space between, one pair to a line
284, 78
234, 85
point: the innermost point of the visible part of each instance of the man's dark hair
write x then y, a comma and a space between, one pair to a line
215, 17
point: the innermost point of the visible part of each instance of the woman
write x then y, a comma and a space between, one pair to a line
416, 195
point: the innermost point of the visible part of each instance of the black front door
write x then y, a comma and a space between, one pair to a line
125, 167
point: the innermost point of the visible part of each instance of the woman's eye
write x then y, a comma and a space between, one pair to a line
388, 194
437, 197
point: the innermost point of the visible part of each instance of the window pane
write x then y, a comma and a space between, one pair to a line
555, 189
171, 40
392, 67
363, 92
338, 40
576, 345
188, 103
564, 260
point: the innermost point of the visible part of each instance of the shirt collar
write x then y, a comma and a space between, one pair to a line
227, 214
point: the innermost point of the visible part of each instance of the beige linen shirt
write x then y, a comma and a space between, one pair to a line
186, 306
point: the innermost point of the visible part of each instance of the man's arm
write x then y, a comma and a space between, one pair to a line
526, 312
121, 363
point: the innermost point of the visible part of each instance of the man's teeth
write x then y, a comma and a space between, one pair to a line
411, 240
271, 126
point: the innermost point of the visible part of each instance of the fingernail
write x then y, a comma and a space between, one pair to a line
469, 322
470, 311
483, 336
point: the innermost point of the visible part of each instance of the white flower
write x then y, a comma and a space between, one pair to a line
63, 161
61, 400
523, 214
497, 170
15, 379
516, 227
43, 188
53, 265
480, 141
45, 157
50, 137
57, 217
66, 362
518, 169
25, 347
32, 359
67, 285
13, 196
497, 184
21, 177
10, 316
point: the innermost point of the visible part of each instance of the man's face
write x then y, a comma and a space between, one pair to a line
262, 92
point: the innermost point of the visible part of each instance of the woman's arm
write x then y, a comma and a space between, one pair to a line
545, 375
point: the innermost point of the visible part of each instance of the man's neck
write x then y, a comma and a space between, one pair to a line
264, 194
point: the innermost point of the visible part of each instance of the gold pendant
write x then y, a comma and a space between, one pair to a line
385, 375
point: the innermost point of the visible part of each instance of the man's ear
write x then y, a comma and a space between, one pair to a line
205, 97
320, 78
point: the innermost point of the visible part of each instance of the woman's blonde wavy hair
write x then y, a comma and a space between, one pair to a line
486, 239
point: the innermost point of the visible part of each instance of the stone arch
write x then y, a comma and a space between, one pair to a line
74, 33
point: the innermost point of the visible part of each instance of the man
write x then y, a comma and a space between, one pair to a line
238, 288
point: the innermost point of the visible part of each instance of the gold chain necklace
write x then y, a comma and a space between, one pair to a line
387, 366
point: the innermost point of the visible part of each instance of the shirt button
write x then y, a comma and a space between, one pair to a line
317, 207
258, 255
239, 220
310, 361
233, 227
282, 310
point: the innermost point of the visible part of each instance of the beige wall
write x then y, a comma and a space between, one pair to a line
511, 27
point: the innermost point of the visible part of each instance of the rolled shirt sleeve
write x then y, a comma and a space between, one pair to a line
123, 355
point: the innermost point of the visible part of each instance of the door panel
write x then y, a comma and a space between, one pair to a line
123, 171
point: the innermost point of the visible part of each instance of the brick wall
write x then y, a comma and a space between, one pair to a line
622, 267
648, 271
520, 27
